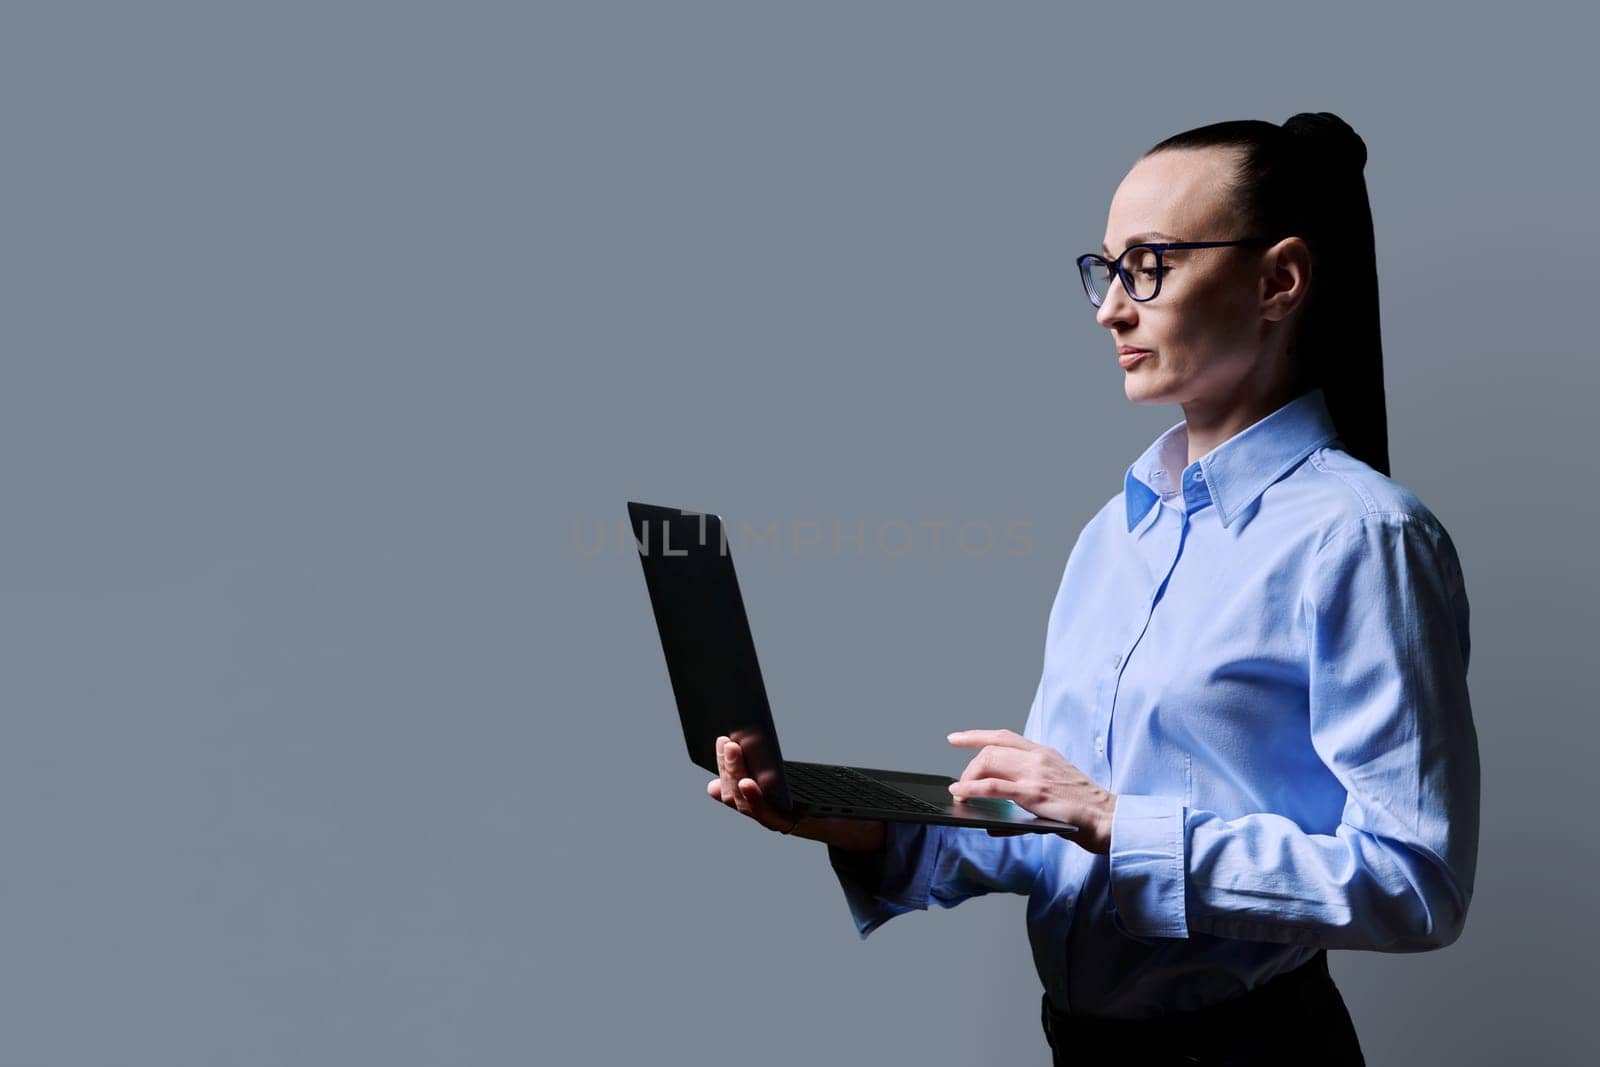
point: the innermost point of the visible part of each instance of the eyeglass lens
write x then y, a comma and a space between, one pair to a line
1141, 265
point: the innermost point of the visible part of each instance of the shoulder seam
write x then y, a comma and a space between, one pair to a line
1365, 498
1370, 506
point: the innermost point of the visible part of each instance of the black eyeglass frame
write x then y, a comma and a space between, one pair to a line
1161, 271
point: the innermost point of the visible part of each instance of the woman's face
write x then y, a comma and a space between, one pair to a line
1211, 344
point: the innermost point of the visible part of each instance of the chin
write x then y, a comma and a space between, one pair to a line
1141, 390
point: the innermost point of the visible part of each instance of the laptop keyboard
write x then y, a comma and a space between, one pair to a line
824, 786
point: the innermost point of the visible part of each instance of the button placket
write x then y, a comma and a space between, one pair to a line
1100, 744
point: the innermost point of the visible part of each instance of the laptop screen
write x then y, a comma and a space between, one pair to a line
705, 635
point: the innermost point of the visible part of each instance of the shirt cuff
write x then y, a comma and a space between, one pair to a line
880, 885
1147, 867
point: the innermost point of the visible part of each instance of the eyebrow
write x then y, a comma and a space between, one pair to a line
1141, 237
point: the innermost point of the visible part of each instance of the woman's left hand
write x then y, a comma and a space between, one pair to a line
1039, 779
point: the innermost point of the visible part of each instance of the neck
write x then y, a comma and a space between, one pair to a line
1209, 423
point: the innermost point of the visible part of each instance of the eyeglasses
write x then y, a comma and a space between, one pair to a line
1140, 267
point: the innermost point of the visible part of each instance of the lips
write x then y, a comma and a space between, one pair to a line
1128, 350
1127, 357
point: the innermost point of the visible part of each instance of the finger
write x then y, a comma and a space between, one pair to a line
759, 808
751, 789
773, 818
987, 787
995, 762
736, 772
979, 738
730, 788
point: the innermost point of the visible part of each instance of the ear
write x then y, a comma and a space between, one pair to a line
1285, 278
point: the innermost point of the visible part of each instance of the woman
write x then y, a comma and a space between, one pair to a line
1254, 694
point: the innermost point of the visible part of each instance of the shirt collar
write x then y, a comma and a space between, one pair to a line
1238, 470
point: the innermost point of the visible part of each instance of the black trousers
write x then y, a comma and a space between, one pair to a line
1295, 1018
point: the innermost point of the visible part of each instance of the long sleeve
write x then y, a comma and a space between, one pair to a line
1387, 616
923, 862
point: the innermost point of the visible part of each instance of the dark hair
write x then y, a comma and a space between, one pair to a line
1304, 179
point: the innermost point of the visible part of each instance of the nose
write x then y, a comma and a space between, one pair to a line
1118, 308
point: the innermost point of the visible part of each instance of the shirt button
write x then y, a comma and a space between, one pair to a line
1100, 745
1199, 476
1116, 660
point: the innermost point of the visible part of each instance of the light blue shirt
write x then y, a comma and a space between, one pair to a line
1263, 653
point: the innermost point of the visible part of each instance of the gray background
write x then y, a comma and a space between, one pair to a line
336, 728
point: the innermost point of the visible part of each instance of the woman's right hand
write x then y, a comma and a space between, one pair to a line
736, 789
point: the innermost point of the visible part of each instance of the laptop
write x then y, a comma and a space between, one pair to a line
716, 681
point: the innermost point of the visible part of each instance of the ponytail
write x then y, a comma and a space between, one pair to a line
1304, 179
